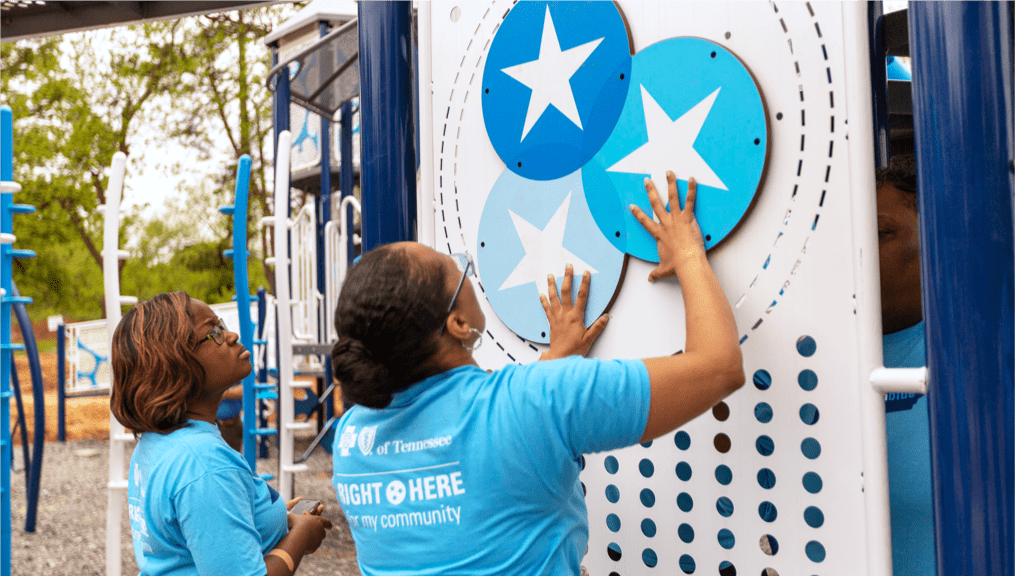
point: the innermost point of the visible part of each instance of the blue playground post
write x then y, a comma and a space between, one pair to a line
6, 175
61, 374
388, 153
242, 284
963, 116
346, 172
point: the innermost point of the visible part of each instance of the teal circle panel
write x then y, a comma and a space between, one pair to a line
695, 109
554, 85
529, 229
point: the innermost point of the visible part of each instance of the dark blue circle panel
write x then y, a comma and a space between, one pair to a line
529, 229
692, 108
554, 84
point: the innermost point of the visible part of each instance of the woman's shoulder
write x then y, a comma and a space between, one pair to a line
196, 447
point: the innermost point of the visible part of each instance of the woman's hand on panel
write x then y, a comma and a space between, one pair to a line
568, 334
677, 233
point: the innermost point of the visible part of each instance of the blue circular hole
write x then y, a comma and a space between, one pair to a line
809, 414
613, 551
814, 517
723, 474
646, 468
648, 527
726, 539
725, 507
686, 533
583, 462
648, 556
612, 493
762, 380
811, 448
815, 551
726, 568
812, 482
763, 412
648, 498
765, 445
611, 464
769, 545
684, 471
808, 380
613, 522
767, 511
766, 478
687, 564
646, 444
682, 440
806, 346
685, 502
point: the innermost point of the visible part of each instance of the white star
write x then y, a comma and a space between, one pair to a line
544, 250
671, 146
549, 76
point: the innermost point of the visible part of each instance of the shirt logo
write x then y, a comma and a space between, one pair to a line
347, 440
366, 439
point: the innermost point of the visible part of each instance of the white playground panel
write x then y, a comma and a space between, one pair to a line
802, 264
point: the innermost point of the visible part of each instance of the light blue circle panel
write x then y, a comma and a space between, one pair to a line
693, 108
554, 85
529, 229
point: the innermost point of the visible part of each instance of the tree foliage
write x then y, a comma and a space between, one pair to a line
80, 98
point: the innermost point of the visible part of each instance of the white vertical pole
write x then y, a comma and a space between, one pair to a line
856, 46
111, 281
424, 176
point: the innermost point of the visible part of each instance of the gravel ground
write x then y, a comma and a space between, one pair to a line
70, 531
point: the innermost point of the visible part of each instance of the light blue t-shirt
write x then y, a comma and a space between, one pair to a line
908, 432
474, 473
196, 509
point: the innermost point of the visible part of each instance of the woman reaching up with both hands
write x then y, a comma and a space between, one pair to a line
443, 468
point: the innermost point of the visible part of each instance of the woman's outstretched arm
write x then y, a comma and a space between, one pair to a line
711, 367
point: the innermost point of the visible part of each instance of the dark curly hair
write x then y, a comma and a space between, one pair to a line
901, 173
155, 372
388, 315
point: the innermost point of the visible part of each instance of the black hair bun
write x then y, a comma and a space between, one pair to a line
364, 380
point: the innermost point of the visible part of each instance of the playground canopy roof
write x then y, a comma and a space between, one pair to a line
23, 19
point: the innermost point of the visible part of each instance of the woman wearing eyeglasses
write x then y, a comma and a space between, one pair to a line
443, 468
195, 507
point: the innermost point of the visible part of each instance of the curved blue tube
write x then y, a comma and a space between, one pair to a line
39, 426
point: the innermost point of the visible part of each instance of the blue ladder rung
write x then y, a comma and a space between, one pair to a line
260, 342
267, 477
263, 385
21, 253
252, 299
266, 432
16, 299
228, 253
12, 346
22, 209
266, 396
6, 394
227, 210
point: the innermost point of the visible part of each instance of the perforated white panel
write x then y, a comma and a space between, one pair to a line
770, 482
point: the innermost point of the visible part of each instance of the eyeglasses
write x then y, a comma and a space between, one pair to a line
217, 334
464, 262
